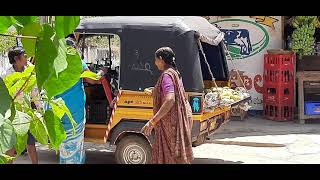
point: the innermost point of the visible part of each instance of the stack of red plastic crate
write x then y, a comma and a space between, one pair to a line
278, 87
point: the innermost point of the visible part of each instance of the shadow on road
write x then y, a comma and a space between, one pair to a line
44, 156
50, 157
98, 157
250, 144
214, 161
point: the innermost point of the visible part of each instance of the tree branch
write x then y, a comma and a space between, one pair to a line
22, 123
22, 88
19, 36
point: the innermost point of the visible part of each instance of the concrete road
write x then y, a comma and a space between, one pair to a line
254, 141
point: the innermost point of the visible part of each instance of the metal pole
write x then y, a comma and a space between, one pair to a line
109, 38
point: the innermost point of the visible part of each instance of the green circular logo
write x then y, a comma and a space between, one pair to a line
245, 41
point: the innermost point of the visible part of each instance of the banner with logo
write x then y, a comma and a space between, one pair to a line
248, 38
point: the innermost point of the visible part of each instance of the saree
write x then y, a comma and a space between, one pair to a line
173, 144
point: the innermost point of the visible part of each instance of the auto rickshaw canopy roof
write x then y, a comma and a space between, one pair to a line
141, 36
208, 33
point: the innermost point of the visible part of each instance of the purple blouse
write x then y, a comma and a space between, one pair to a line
167, 85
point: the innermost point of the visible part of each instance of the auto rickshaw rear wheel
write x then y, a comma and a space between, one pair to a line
133, 149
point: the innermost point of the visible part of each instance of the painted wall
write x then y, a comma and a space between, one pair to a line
248, 38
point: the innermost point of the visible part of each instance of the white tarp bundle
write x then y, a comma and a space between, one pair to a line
208, 32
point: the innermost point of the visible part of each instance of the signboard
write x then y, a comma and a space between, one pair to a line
248, 38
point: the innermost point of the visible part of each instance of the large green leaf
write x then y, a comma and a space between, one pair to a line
7, 116
7, 136
24, 20
65, 25
12, 79
28, 70
29, 45
90, 75
45, 55
47, 31
5, 98
21, 123
67, 78
15, 88
60, 109
16, 80
60, 63
56, 132
5, 23
21, 143
2, 118
21, 21
12, 111
31, 84
38, 130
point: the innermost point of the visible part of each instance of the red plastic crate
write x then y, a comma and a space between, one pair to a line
279, 68
278, 76
279, 61
278, 86
278, 94
276, 100
276, 112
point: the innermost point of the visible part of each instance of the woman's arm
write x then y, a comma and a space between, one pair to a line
167, 87
165, 108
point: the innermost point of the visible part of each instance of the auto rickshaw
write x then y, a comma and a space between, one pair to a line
119, 104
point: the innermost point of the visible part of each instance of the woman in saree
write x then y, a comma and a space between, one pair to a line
172, 120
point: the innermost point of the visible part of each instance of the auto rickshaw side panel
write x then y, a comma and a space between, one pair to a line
136, 107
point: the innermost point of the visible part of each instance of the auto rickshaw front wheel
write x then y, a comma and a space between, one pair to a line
133, 149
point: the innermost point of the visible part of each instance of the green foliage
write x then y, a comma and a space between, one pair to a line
90, 75
57, 68
39, 130
21, 123
65, 25
56, 131
60, 109
5, 158
6, 22
16, 81
45, 55
29, 45
60, 63
21, 143
5, 98
20, 21
69, 76
25, 20
8, 135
